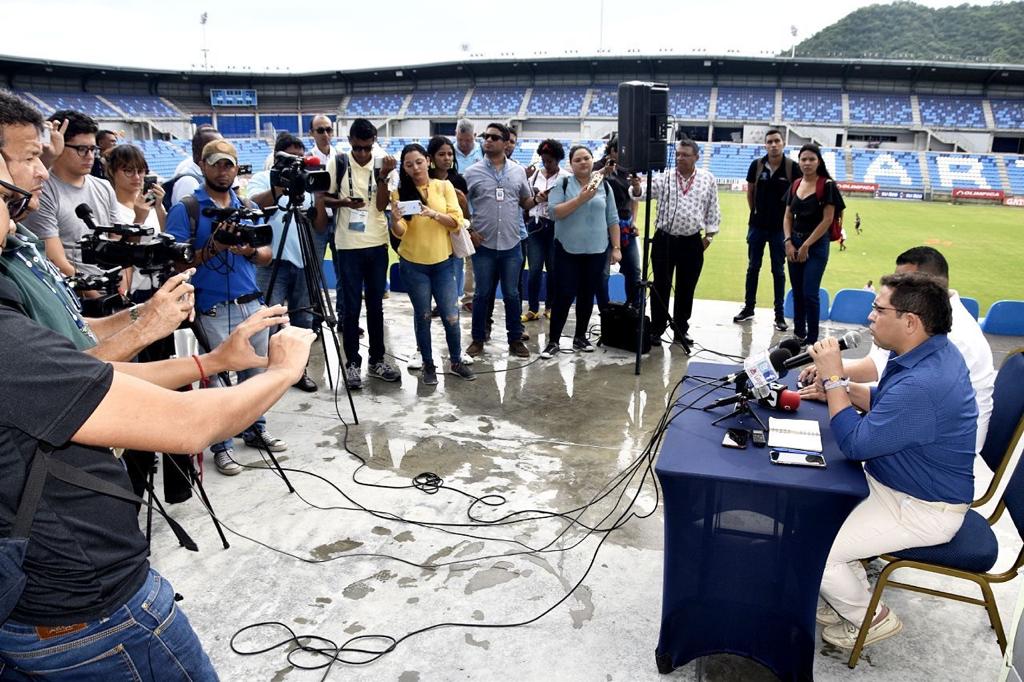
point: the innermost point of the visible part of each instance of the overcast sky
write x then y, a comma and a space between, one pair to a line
349, 35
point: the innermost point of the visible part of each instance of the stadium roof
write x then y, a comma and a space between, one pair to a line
596, 69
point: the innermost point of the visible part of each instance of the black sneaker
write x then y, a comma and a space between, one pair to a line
550, 350
582, 344
745, 314
460, 369
428, 375
306, 384
780, 323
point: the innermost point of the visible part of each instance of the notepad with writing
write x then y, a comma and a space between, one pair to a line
799, 434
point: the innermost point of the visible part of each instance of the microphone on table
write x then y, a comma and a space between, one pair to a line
777, 357
781, 398
846, 341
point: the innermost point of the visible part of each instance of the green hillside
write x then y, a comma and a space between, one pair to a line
906, 30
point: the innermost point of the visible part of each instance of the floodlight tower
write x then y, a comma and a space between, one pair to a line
203, 49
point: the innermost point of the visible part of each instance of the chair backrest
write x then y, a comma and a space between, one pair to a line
852, 305
1006, 318
823, 300
1005, 425
972, 305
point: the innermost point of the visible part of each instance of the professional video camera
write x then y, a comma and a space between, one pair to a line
153, 257
106, 283
297, 175
256, 234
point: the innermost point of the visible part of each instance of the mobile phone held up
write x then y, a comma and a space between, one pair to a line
795, 458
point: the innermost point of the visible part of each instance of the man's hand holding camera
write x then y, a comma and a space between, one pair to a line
171, 305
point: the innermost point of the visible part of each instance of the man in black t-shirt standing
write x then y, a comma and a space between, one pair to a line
768, 179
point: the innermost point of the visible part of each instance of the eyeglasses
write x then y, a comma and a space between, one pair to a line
132, 171
362, 147
322, 131
83, 150
492, 137
18, 204
879, 308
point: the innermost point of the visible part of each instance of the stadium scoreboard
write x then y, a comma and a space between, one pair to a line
232, 98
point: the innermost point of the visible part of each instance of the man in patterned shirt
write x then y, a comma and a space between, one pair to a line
687, 207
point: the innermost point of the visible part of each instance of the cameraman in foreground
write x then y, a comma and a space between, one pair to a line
225, 279
90, 606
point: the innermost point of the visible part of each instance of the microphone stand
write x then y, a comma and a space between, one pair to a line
742, 407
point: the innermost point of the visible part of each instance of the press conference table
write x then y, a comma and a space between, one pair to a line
746, 540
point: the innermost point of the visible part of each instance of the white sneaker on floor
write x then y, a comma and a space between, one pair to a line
226, 464
826, 615
415, 360
844, 635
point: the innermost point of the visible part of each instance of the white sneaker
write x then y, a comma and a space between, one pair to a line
844, 635
415, 360
467, 359
226, 463
826, 615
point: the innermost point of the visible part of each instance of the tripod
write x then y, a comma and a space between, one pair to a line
645, 283
316, 286
742, 406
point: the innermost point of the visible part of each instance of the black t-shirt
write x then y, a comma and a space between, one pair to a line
458, 182
808, 212
618, 179
86, 555
769, 210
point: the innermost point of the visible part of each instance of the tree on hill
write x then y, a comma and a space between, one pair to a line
907, 30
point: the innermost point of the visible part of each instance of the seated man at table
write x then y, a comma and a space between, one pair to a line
916, 439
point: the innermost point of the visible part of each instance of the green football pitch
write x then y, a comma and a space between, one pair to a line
983, 244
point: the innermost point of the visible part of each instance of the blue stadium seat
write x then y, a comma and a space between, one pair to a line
852, 306
617, 287
972, 305
1015, 169
436, 103
689, 103
79, 101
815, 106
823, 299
888, 109
604, 101
495, 101
951, 112
1005, 318
144, 106
375, 105
963, 170
887, 168
745, 104
556, 101
1008, 113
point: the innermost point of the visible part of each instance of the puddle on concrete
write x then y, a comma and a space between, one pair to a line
281, 674
380, 530
483, 644
324, 600
478, 615
491, 577
409, 676
406, 536
586, 610
355, 628
333, 549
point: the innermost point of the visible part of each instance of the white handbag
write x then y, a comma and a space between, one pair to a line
462, 245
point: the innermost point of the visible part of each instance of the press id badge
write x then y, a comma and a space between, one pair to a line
499, 194
357, 220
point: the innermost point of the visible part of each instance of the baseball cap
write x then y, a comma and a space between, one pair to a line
218, 150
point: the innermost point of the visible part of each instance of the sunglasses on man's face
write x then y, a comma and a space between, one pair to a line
323, 131
18, 203
492, 137
362, 147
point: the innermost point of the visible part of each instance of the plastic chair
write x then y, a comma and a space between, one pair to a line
616, 287
974, 549
823, 299
972, 305
1005, 318
852, 306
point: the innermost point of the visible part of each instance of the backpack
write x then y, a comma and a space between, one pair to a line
835, 230
169, 188
192, 208
787, 162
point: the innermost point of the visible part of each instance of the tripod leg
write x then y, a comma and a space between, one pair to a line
149, 507
198, 483
643, 279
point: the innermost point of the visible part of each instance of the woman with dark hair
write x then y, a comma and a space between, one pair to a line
444, 166
126, 170
426, 212
811, 204
619, 180
540, 242
585, 220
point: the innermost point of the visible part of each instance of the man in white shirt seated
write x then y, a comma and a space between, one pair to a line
965, 334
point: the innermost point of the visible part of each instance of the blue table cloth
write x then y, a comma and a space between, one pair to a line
746, 540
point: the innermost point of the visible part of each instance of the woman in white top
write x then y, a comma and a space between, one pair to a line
540, 243
127, 170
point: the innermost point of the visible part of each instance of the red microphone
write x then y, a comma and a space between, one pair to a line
311, 162
781, 398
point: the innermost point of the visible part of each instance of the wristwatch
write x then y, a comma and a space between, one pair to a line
709, 237
836, 381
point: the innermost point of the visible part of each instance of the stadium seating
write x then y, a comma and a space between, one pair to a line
1008, 113
144, 106
745, 104
852, 306
731, 161
375, 105
79, 101
823, 307
814, 106
887, 168
280, 123
963, 170
202, 119
1015, 169
951, 112
604, 101
882, 110
972, 305
556, 101
496, 102
436, 103
236, 125
1005, 318
689, 103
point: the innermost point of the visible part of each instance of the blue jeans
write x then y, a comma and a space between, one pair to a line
756, 241
149, 638
217, 327
363, 268
290, 289
505, 266
437, 280
540, 253
629, 266
460, 278
806, 280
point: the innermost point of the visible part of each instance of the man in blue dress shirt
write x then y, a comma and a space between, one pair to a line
916, 439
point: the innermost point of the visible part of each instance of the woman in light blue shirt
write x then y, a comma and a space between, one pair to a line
585, 219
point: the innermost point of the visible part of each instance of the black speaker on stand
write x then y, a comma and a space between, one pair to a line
643, 133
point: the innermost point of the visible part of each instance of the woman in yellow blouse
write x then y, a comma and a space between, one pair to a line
428, 212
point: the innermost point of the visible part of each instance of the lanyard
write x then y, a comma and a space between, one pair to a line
689, 183
69, 302
351, 189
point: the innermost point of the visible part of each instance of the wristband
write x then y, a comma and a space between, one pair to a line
203, 380
787, 239
133, 313
836, 381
